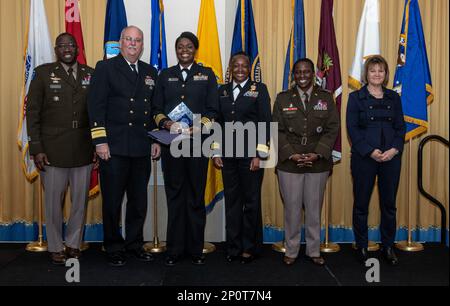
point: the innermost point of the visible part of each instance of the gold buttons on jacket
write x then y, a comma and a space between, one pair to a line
182, 97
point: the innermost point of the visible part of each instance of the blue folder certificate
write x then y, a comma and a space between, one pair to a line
165, 137
181, 113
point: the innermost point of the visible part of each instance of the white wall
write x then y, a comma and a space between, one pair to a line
180, 16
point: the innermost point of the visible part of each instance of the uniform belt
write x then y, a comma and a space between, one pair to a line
389, 119
379, 106
304, 140
76, 124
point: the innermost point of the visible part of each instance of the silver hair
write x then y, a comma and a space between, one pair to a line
131, 27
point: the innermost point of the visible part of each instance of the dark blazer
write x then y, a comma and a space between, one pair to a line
198, 92
57, 118
251, 105
299, 131
120, 108
375, 123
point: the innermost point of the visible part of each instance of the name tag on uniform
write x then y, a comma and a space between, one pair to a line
321, 106
55, 86
290, 109
173, 79
252, 94
200, 77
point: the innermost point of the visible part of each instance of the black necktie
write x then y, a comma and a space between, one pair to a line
237, 89
72, 80
305, 101
133, 67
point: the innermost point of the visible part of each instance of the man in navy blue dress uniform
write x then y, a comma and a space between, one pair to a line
120, 117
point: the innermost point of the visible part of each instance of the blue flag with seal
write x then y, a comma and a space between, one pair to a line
297, 43
115, 21
244, 39
158, 55
412, 76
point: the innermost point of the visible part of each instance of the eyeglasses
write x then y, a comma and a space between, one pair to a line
131, 39
64, 46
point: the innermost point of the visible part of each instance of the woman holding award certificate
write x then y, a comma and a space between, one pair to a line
182, 92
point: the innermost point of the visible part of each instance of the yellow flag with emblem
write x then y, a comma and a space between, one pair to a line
208, 55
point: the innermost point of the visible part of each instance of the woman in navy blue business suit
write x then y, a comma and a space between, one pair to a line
376, 129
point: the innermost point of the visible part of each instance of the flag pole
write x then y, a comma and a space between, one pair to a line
328, 247
208, 247
40, 245
279, 247
156, 246
409, 245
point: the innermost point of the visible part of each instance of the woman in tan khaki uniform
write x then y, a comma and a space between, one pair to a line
308, 124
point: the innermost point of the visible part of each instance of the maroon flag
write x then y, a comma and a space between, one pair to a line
328, 67
73, 26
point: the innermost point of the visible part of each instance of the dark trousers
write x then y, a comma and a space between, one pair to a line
242, 189
184, 182
364, 171
117, 175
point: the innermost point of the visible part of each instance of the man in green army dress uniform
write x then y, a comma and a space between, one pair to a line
60, 143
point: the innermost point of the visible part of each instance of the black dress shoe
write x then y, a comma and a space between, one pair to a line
72, 253
389, 255
319, 260
247, 259
58, 258
231, 258
362, 255
117, 259
171, 261
198, 260
142, 255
